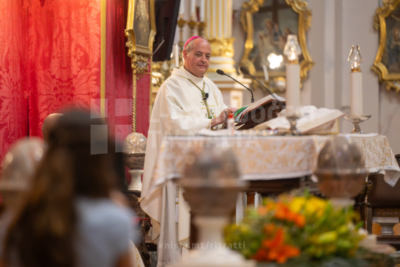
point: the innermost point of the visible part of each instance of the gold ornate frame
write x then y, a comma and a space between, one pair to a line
130, 31
301, 8
391, 80
140, 55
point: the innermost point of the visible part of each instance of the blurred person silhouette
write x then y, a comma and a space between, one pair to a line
68, 217
49, 123
18, 167
119, 166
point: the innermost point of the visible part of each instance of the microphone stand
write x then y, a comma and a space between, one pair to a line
245, 71
221, 72
292, 118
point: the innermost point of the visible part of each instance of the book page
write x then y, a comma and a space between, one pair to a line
262, 101
312, 119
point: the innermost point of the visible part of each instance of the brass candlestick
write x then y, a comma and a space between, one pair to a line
192, 26
181, 24
200, 28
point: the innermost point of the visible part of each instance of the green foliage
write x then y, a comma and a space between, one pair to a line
325, 235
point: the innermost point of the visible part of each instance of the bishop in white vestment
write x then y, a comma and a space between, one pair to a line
185, 103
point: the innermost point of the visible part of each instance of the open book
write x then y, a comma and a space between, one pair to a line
258, 112
314, 121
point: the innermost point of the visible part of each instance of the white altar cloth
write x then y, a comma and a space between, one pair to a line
259, 158
274, 157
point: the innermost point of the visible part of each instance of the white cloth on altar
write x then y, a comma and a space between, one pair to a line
178, 110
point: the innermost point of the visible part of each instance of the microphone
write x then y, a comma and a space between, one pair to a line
246, 71
221, 72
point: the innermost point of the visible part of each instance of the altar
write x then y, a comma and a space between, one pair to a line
266, 158
271, 165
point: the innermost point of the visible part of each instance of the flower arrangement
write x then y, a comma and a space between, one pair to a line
302, 231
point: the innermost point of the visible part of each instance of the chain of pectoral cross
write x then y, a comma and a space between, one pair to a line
203, 94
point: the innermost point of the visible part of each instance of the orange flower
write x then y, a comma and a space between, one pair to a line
276, 250
278, 240
270, 206
300, 220
284, 213
269, 228
262, 211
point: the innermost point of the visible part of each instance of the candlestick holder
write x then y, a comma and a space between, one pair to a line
292, 117
200, 28
192, 26
357, 120
181, 24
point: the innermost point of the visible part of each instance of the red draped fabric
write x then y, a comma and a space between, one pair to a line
13, 71
119, 77
64, 57
143, 104
118, 71
50, 54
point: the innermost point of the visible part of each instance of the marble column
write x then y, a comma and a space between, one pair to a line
218, 31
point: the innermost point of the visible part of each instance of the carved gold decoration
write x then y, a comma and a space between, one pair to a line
131, 34
391, 80
192, 25
304, 23
140, 54
221, 47
181, 24
385, 212
140, 64
200, 28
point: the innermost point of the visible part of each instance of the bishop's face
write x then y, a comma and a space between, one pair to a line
198, 59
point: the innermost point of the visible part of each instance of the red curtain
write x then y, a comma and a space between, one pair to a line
13, 71
119, 77
118, 71
50, 54
64, 57
143, 104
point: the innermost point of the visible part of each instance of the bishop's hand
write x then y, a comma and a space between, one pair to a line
223, 117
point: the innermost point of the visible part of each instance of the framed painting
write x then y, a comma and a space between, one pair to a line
140, 31
387, 60
268, 23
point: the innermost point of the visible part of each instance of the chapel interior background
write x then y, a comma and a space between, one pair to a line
335, 26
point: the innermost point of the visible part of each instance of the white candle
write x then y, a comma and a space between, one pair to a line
356, 94
266, 77
182, 8
292, 87
176, 55
202, 10
193, 10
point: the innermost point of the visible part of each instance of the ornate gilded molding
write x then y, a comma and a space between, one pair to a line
140, 46
221, 47
391, 80
385, 212
140, 64
133, 37
304, 23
